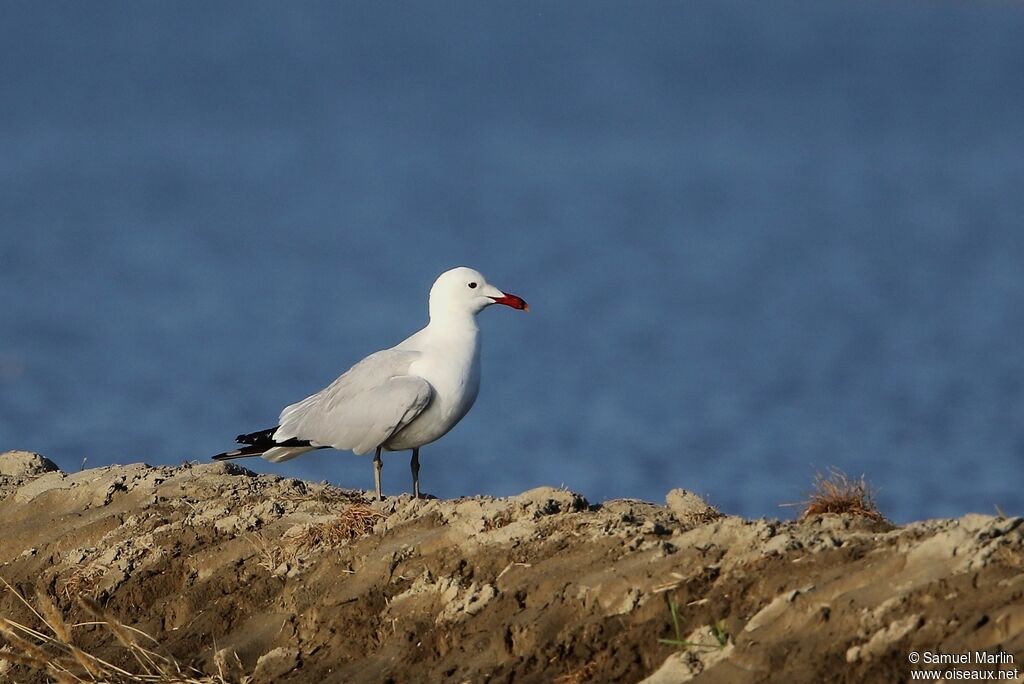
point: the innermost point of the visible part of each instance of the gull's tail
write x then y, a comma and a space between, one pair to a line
262, 443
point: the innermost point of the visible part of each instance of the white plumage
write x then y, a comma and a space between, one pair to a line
398, 398
359, 411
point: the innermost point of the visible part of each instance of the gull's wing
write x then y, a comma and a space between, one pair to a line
363, 408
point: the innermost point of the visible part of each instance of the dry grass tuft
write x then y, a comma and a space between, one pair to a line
578, 676
709, 514
50, 648
497, 522
328, 497
82, 580
837, 493
271, 554
355, 521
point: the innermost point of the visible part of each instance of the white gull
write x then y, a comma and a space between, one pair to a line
399, 398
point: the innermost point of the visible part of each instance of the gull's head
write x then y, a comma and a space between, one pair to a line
463, 290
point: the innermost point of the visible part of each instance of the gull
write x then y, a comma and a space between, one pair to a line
399, 398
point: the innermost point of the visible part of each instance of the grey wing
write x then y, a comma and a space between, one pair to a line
363, 408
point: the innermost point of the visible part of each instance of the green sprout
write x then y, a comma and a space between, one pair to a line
718, 631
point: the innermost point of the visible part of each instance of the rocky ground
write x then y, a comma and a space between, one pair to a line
239, 577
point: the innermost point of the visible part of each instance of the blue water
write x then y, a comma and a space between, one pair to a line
758, 239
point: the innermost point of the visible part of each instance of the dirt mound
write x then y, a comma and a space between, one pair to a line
266, 579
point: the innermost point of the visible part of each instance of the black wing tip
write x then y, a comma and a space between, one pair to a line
239, 453
258, 442
258, 437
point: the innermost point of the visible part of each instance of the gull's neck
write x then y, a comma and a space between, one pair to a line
452, 323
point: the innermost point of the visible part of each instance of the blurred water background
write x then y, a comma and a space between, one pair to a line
758, 239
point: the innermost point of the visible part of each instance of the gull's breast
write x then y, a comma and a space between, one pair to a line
456, 383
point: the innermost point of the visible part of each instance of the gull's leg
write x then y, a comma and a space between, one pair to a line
378, 465
415, 464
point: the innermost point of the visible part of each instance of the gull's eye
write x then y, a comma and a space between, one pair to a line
472, 286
